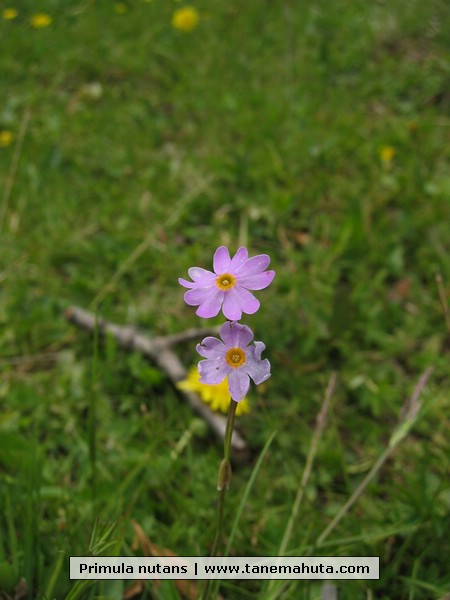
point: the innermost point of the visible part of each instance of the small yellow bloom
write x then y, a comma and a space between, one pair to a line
40, 20
185, 19
387, 153
217, 396
6, 137
120, 8
9, 14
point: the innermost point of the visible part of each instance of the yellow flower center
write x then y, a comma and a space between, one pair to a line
225, 282
235, 357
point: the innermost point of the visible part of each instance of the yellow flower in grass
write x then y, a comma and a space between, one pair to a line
185, 19
9, 13
387, 153
40, 20
6, 137
217, 396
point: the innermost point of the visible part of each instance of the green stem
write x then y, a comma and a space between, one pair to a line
410, 409
218, 536
356, 494
318, 431
92, 416
223, 481
229, 429
224, 476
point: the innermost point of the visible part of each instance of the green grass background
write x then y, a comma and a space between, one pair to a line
144, 149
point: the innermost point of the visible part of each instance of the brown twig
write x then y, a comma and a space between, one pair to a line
160, 351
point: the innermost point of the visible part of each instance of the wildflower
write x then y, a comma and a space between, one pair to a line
228, 285
232, 357
217, 395
9, 13
185, 19
387, 153
40, 20
6, 137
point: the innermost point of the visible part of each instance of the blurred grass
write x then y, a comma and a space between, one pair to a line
145, 149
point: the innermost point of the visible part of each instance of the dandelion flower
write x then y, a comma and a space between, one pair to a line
217, 396
9, 13
232, 357
40, 20
185, 19
6, 137
228, 286
387, 153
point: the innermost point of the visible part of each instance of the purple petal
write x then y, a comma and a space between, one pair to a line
238, 259
198, 296
232, 306
259, 370
257, 349
185, 283
236, 335
213, 371
195, 285
210, 306
211, 347
238, 384
200, 275
258, 281
221, 260
254, 265
247, 301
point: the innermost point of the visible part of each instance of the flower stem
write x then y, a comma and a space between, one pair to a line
229, 429
223, 481
224, 476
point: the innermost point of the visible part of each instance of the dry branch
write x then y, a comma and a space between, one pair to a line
159, 350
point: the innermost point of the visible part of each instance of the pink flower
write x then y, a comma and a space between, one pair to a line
232, 357
228, 286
